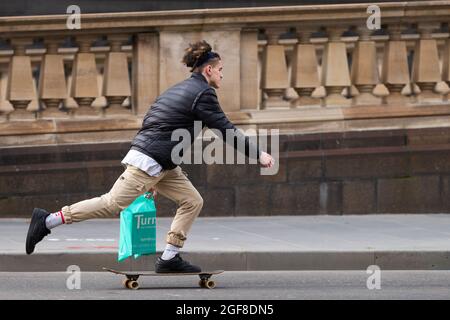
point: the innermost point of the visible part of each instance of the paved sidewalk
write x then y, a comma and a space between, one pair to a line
248, 243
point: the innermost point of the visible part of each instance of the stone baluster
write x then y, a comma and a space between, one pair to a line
274, 77
5, 106
70, 104
426, 71
335, 69
84, 87
364, 72
446, 66
116, 80
20, 89
52, 80
34, 105
305, 75
395, 72
100, 103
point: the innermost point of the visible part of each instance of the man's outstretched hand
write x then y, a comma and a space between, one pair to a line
266, 160
153, 192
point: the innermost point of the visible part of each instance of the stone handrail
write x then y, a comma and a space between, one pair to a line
406, 12
282, 64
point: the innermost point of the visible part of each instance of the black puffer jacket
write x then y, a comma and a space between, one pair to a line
177, 108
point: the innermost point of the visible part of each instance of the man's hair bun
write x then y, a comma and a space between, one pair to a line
194, 52
198, 54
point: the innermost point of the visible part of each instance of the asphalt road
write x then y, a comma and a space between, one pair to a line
270, 285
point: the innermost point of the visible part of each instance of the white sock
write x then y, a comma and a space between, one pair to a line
170, 252
54, 219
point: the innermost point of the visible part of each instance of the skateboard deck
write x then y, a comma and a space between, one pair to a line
132, 276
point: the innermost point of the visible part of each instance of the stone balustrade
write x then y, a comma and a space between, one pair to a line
282, 64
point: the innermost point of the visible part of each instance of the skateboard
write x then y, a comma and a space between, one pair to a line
132, 276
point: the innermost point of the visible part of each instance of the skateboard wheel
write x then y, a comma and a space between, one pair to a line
202, 283
132, 285
210, 284
125, 283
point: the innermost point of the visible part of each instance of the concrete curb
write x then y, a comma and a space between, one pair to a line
235, 261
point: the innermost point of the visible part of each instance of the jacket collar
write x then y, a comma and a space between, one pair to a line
199, 76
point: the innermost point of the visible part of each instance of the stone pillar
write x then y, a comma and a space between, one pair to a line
426, 73
20, 89
116, 81
145, 70
225, 41
171, 50
52, 81
395, 73
274, 77
305, 74
249, 69
335, 69
364, 73
84, 88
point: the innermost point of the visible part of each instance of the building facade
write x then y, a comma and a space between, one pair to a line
362, 109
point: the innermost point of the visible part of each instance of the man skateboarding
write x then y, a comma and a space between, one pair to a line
149, 165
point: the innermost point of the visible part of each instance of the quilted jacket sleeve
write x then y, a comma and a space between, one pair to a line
208, 110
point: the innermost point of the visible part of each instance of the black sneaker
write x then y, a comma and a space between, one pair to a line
175, 265
37, 230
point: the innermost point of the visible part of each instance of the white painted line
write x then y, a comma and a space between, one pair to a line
89, 240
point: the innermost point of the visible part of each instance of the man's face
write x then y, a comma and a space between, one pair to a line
215, 74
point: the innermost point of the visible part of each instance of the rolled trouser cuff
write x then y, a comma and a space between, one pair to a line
67, 215
175, 239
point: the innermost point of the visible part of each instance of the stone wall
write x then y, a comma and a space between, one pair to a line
389, 171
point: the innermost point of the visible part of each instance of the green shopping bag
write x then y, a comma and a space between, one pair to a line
138, 228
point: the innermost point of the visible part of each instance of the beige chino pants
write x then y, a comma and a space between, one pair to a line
172, 184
